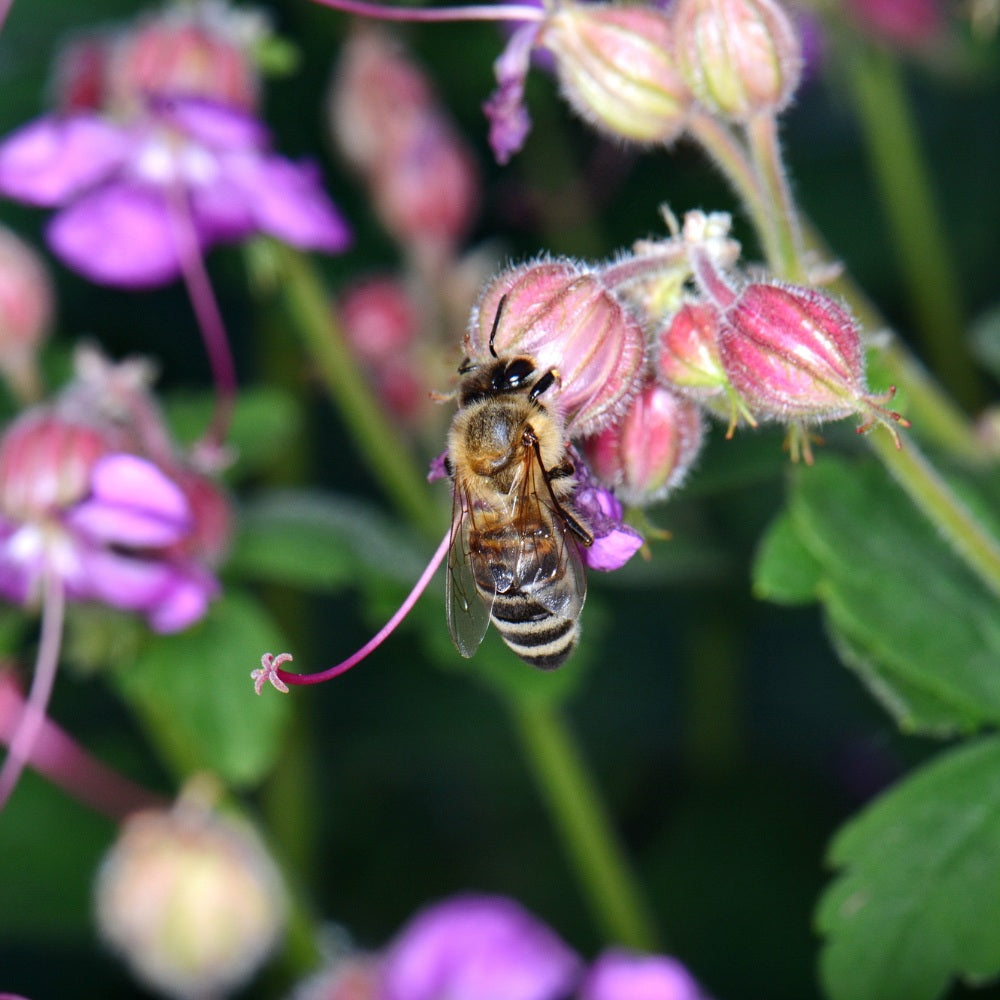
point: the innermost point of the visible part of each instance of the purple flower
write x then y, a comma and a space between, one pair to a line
478, 948
111, 546
509, 120
133, 195
620, 975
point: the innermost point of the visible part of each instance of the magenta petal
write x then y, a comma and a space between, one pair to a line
508, 118
50, 160
217, 126
221, 212
482, 947
287, 202
184, 602
620, 975
132, 503
125, 582
118, 235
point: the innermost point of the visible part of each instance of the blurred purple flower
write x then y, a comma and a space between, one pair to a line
620, 975
111, 547
478, 948
509, 120
132, 195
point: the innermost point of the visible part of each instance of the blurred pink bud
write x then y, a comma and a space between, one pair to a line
688, 352
81, 74
739, 57
403, 390
211, 517
46, 463
379, 317
617, 69
375, 95
566, 320
649, 449
193, 51
908, 24
354, 976
190, 900
794, 354
26, 306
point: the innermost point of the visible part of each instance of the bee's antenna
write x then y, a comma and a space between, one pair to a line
496, 323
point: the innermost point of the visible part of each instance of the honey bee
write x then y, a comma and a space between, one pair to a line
514, 557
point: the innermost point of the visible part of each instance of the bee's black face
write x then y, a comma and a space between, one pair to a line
513, 375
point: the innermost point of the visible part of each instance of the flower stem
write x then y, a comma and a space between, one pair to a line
472, 12
605, 875
209, 317
32, 719
377, 439
901, 174
66, 764
977, 548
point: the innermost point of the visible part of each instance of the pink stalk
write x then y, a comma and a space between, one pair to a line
32, 718
208, 315
69, 766
473, 12
270, 669
5, 6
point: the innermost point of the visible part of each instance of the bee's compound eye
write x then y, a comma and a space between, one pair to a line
515, 374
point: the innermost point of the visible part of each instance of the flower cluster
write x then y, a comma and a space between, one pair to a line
156, 155
478, 947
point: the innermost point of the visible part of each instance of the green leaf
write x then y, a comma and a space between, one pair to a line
919, 901
193, 691
916, 625
265, 421
785, 572
321, 541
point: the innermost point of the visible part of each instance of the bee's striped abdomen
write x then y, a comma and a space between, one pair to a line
534, 633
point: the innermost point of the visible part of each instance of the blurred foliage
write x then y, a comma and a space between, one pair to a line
728, 739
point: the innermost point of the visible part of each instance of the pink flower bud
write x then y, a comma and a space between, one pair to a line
647, 452
26, 305
688, 352
190, 900
794, 354
907, 23
81, 74
46, 463
379, 317
616, 67
180, 53
739, 57
565, 319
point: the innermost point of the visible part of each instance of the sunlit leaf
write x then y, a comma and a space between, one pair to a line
918, 903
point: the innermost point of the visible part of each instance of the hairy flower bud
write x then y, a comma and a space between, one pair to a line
687, 356
616, 65
739, 57
648, 450
565, 319
190, 900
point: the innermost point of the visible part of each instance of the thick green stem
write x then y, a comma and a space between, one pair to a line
905, 191
377, 439
978, 549
605, 875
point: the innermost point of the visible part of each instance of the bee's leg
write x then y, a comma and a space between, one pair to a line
564, 468
561, 471
546, 381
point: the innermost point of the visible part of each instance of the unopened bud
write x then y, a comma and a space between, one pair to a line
190, 900
25, 312
567, 321
739, 57
380, 318
616, 66
648, 451
688, 352
794, 354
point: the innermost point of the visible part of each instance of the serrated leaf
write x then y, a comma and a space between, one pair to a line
922, 631
193, 691
317, 540
919, 901
784, 571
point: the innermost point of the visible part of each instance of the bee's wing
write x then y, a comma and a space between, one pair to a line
549, 566
467, 612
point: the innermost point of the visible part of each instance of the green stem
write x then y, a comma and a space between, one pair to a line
608, 882
785, 247
378, 440
901, 174
931, 494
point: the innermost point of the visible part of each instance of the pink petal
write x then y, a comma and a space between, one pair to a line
125, 582
218, 126
51, 160
287, 201
119, 235
185, 601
